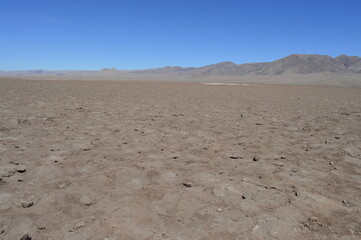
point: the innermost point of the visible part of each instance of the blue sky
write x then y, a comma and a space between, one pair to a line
135, 34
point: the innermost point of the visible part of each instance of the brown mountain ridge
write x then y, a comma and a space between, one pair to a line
292, 64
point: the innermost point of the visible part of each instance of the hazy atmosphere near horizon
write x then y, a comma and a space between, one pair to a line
94, 34
180, 120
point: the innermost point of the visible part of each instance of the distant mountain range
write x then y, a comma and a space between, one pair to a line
293, 64
296, 63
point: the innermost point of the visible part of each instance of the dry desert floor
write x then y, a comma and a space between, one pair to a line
165, 160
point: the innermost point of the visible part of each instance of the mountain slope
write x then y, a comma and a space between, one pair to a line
352, 63
292, 64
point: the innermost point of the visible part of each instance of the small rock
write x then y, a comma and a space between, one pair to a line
27, 204
80, 225
62, 186
326, 142
188, 185
7, 171
283, 157
219, 210
221, 172
26, 237
86, 200
337, 137
344, 201
235, 157
244, 196
21, 169
331, 163
255, 158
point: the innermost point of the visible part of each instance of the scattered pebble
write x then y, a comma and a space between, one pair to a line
77, 226
26, 237
219, 210
221, 172
62, 186
27, 204
80, 225
283, 157
244, 196
344, 202
235, 157
337, 137
21, 169
188, 185
255, 158
86, 200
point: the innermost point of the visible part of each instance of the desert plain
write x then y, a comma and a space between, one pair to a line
134, 160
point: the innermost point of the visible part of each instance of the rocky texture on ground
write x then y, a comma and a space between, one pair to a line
141, 160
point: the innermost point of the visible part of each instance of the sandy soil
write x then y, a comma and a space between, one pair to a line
147, 160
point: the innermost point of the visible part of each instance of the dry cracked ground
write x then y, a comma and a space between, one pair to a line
147, 160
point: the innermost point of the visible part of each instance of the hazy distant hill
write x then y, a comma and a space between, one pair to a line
293, 64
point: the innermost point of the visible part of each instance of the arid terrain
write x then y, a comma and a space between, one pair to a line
176, 160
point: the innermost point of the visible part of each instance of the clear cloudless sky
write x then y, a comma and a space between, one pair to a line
137, 34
